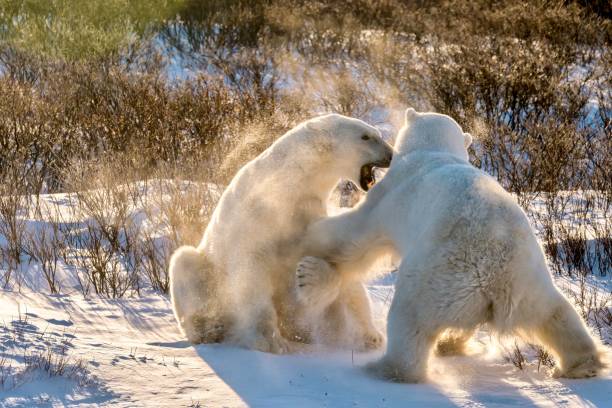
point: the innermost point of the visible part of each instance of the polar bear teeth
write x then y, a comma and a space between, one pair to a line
367, 179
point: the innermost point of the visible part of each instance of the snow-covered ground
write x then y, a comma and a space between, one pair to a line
135, 356
129, 352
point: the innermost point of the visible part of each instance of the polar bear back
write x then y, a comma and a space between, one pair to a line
435, 190
261, 201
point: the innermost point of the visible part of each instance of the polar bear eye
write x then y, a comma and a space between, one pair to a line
365, 137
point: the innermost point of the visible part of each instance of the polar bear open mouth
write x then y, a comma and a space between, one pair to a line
367, 179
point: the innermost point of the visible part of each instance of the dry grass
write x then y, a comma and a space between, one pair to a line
530, 80
29, 353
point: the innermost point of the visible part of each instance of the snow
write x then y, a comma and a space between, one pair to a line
136, 357
129, 352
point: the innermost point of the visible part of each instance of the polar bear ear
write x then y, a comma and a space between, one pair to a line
411, 114
467, 140
317, 124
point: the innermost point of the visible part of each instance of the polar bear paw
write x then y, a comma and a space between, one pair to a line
317, 282
272, 343
373, 339
588, 367
391, 371
278, 344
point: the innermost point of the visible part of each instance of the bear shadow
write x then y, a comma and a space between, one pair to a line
336, 379
332, 379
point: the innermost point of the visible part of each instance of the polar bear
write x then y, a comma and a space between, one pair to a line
238, 285
468, 257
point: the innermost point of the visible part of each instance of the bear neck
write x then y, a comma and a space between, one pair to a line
432, 150
321, 180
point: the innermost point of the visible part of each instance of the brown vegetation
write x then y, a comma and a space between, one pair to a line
531, 80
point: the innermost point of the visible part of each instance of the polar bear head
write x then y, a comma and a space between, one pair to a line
352, 148
428, 131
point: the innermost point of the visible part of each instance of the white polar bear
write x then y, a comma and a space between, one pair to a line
468, 257
238, 285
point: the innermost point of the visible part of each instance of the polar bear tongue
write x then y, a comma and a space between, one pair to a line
366, 176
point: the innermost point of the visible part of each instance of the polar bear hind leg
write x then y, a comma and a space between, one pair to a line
558, 327
564, 332
194, 295
542, 314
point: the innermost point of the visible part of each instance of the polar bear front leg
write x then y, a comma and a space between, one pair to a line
355, 295
319, 287
255, 323
410, 340
414, 323
259, 331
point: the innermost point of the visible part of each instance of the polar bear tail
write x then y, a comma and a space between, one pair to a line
195, 296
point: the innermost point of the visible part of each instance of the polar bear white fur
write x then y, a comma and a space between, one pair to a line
468, 257
238, 285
